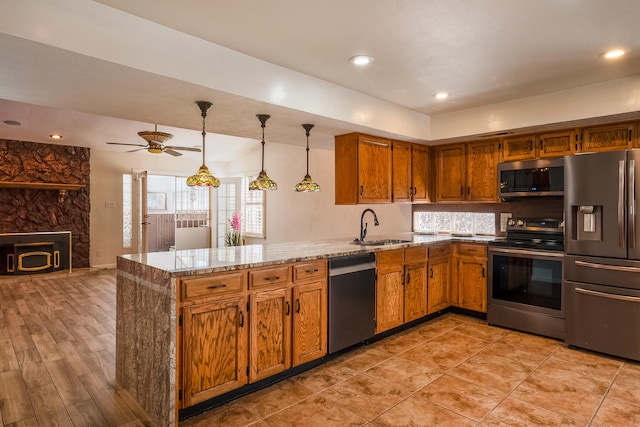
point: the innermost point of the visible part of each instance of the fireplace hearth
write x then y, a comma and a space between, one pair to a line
33, 253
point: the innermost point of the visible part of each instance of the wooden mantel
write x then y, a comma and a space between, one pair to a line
62, 188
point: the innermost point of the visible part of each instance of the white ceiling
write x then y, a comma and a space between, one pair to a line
481, 51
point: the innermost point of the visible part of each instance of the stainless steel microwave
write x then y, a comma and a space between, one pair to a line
532, 178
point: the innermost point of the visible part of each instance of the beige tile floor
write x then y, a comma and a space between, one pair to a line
57, 367
452, 371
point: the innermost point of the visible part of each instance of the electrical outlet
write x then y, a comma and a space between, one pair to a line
109, 204
504, 218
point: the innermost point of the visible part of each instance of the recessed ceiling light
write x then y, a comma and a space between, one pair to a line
441, 95
55, 136
361, 60
614, 53
12, 123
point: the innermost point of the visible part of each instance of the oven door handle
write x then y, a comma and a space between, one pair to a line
607, 295
607, 266
526, 252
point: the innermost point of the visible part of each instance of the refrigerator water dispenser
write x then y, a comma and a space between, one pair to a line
589, 222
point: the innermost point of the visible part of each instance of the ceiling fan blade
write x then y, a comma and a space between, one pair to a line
168, 150
197, 150
136, 149
124, 143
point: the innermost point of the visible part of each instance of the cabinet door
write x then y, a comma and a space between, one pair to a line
415, 292
309, 322
214, 349
389, 298
607, 138
420, 172
270, 336
401, 171
482, 171
556, 144
472, 282
518, 148
438, 284
450, 173
374, 170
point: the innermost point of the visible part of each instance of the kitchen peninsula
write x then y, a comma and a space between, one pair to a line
151, 288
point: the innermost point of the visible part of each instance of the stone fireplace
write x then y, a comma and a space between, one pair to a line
38, 209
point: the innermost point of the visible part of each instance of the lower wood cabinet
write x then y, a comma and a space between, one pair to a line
401, 287
439, 277
469, 289
214, 351
245, 326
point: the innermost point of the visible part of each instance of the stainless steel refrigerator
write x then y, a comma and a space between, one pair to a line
602, 245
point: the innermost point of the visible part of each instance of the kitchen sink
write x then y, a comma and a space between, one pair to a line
380, 242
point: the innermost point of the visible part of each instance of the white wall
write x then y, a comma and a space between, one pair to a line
612, 97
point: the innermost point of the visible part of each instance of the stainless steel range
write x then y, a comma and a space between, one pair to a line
525, 277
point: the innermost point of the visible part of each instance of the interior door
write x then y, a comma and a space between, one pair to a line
140, 214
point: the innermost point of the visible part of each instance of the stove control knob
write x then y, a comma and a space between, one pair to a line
511, 222
520, 223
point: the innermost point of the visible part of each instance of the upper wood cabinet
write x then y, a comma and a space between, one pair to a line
420, 172
607, 138
482, 176
538, 146
450, 173
467, 172
401, 171
363, 166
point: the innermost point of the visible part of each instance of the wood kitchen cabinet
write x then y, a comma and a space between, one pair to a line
363, 169
213, 356
401, 171
467, 172
288, 324
469, 284
607, 138
538, 146
420, 173
439, 277
400, 287
309, 311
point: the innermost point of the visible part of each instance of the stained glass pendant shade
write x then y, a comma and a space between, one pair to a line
203, 178
263, 182
307, 185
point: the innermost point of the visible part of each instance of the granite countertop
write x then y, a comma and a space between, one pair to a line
209, 260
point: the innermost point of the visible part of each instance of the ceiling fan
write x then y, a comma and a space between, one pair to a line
155, 143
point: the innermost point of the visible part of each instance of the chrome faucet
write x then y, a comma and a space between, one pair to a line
363, 225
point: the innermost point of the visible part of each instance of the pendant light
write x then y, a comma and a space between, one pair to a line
307, 184
263, 182
203, 177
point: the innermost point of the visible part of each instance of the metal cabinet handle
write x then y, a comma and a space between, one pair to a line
315, 270
241, 319
288, 308
221, 285
608, 296
272, 278
482, 271
298, 306
404, 277
361, 190
431, 273
408, 278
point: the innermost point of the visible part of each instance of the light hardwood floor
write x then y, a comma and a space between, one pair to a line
57, 345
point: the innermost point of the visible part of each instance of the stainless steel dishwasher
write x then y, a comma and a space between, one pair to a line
352, 300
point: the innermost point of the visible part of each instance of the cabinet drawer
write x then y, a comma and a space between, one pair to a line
415, 254
203, 286
439, 250
390, 257
271, 276
310, 270
469, 249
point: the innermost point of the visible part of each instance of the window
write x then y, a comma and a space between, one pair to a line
253, 218
127, 210
192, 205
467, 223
228, 204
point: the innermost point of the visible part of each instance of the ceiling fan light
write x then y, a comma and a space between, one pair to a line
203, 178
155, 149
